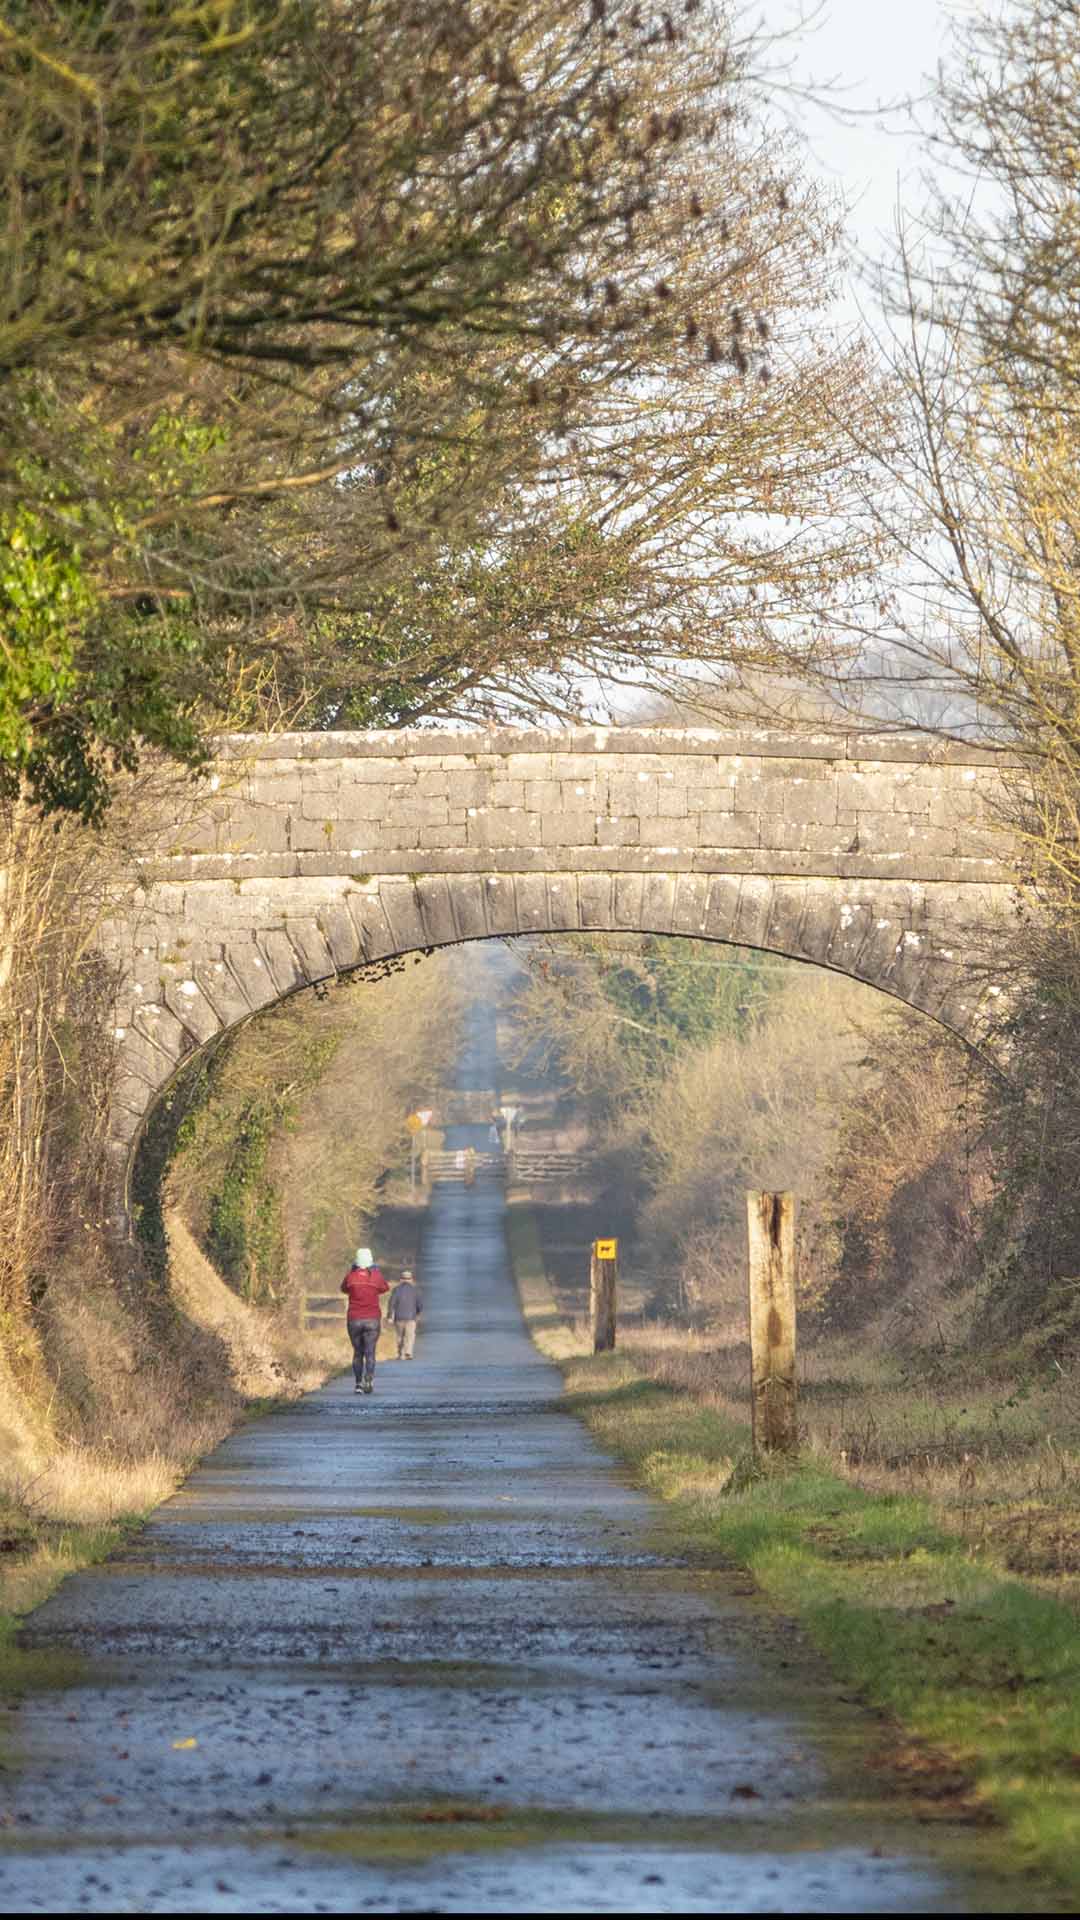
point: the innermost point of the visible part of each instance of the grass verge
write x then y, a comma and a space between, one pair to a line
969, 1659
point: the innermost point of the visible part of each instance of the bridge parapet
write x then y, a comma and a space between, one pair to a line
308, 805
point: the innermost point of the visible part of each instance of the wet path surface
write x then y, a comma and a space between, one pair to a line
432, 1658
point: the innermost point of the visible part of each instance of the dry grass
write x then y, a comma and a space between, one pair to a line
155, 1401
996, 1456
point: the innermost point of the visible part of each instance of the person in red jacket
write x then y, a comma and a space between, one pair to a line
364, 1285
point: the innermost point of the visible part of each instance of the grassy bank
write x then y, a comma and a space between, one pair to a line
144, 1400
916, 1610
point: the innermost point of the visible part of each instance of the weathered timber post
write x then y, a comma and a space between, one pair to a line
602, 1277
770, 1231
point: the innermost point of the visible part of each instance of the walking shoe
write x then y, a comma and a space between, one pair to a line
369, 1384
358, 1388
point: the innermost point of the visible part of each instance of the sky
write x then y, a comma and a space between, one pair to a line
880, 54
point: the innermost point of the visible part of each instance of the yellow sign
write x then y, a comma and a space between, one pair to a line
414, 1123
606, 1249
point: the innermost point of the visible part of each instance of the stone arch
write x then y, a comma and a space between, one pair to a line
259, 941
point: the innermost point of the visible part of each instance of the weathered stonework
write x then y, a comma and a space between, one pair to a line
312, 854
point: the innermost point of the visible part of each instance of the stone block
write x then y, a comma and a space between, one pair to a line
580, 795
783, 931
374, 772
617, 831
901, 833
678, 835
221, 988
500, 903
755, 907
596, 900
316, 836
722, 905
954, 807
284, 964
403, 913
845, 923
315, 956
912, 796
568, 829
416, 811
508, 793
451, 835
658, 903
133, 1094
249, 970
434, 784
633, 860
184, 998
729, 829
691, 910
531, 892
366, 908
162, 1028
708, 772
467, 895
808, 836
576, 766
986, 841
629, 895
527, 766
632, 793
810, 802
368, 840
434, 900
564, 907
466, 789
712, 796
506, 828
884, 832
341, 936
137, 1054
529, 859
352, 803
866, 789
758, 793
671, 800
201, 832
279, 787
542, 796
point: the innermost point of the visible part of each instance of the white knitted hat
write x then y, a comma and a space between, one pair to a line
365, 1257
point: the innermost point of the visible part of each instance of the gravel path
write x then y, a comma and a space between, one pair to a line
422, 1652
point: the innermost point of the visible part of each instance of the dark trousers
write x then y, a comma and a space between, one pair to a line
364, 1335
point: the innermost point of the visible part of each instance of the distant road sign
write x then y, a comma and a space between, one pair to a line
607, 1249
425, 1115
414, 1123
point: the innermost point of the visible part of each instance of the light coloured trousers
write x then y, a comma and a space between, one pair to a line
406, 1338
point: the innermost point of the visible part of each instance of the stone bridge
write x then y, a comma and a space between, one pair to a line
310, 854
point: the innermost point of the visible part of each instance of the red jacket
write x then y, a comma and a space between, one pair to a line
364, 1286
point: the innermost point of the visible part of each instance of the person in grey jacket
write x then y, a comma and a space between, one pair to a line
405, 1310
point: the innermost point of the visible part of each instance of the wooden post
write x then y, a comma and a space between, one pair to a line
770, 1225
602, 1275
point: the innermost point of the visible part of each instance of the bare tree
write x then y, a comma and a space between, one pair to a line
980, 633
